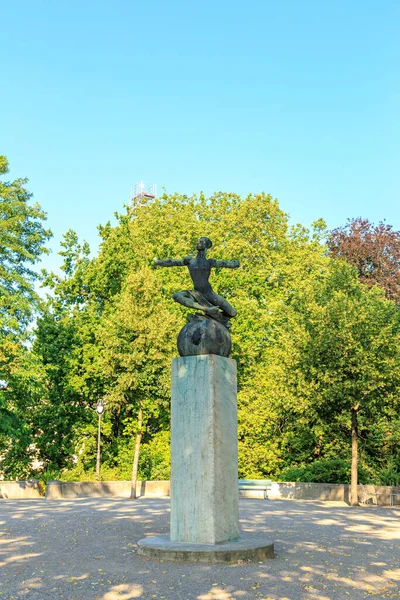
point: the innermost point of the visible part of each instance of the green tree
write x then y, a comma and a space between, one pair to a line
22, 242
273, 260
19, 399
308, 339
349, 357
66, 346
90, 300
137, 341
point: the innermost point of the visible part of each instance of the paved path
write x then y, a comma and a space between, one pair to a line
85, 549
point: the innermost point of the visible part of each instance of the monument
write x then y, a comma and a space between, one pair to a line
204, 445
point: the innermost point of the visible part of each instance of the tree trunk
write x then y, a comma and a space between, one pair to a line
354, 456
137, 451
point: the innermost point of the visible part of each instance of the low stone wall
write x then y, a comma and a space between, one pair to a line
384, 492
326, 491
20, 489
308, 491
104, 489
122, 489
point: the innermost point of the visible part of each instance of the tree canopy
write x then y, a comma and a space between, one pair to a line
311, 342
374, 250
23, 240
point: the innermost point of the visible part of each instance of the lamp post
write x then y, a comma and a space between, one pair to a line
99, 409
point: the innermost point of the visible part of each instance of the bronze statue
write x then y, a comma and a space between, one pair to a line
202, 297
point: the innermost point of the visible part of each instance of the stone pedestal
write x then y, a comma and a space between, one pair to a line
204, 447
204, 469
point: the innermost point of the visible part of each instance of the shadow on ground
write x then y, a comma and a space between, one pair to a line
85, 549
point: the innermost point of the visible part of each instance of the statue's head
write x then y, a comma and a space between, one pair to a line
204, 243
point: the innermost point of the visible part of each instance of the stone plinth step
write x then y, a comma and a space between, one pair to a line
246, 548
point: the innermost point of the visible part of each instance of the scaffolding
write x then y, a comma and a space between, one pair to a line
140, 195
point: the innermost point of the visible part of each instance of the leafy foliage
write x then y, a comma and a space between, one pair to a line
374, 250
323, 471
310, 340
22, 241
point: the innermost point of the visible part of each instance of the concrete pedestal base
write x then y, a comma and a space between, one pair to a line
204, 469
204, 450
245, 549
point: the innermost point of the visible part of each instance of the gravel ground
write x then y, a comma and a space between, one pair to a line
85, 549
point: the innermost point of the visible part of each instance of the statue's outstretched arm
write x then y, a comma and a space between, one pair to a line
172, 262
226, 264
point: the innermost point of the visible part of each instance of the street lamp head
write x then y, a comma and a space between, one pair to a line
100, 407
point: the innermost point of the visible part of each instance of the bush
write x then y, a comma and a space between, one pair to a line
154, 462
46, 476
154, 459
390, 475
293, 474
79, 474
324, 471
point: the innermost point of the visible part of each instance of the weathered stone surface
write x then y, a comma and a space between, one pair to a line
29, 488
245, 549
121, 489
104, 489
326, 492
204, 447
308, 491
204, 336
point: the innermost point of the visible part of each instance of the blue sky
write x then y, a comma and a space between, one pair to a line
297, 99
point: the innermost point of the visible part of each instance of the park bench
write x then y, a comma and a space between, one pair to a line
254, 488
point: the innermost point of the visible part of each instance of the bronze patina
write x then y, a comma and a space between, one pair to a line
203, 297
